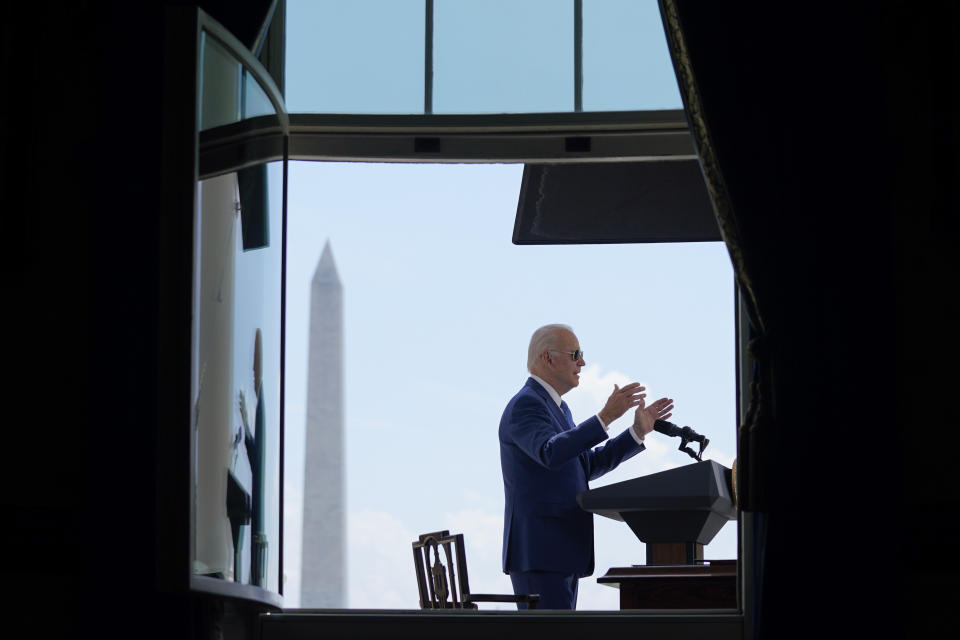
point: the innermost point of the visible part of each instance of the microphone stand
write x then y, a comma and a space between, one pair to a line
686, 435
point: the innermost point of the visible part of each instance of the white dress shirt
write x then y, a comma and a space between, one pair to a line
556, 398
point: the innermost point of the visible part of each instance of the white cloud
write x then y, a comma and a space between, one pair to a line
592, 392
380, 572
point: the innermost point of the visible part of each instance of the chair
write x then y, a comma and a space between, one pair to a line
447, 586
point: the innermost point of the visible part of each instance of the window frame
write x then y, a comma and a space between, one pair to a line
654, 135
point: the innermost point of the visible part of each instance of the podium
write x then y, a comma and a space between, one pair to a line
675, 513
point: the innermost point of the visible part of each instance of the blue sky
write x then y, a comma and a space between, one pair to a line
439, 307
367, 56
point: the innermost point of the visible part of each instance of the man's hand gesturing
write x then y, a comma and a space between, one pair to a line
645, 416
621, 400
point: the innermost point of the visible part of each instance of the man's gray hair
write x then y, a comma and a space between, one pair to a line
542, 339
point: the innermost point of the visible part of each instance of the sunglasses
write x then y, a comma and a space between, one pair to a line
574, 355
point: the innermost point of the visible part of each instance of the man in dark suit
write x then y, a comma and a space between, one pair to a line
547, 459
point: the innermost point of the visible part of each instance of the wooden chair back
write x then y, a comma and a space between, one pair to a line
441, 569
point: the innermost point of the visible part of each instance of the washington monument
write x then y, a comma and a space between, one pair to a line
323, 583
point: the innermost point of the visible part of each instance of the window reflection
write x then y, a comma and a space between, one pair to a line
220, 82
228, 93
255, 100
236, 376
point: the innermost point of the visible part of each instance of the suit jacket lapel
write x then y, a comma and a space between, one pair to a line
562, 420
563, 416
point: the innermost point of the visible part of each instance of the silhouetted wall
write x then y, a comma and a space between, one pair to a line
82, 149
835, 130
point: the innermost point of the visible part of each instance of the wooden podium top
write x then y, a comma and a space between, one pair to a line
724, 568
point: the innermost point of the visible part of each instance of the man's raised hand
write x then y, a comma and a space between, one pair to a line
645, 416
621, 400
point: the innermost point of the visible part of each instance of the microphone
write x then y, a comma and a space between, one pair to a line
666, 428
686, 435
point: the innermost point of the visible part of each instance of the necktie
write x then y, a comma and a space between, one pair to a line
566, 412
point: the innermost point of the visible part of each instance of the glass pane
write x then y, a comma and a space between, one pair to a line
255, 100
220, 85
236, 376
626, 63
503, 56
364, 56
428, 247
